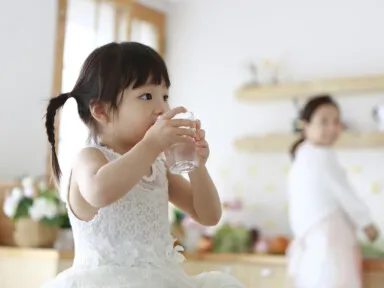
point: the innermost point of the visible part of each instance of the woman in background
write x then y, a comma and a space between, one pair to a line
325, 213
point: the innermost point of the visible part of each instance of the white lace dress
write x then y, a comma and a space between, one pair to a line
128, 244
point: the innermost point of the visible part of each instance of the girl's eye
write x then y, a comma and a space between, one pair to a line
166, 97
147, 96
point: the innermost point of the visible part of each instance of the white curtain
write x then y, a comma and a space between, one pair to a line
89, 24
145, 33
87, 27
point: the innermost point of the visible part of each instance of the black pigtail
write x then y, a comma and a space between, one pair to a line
54, 104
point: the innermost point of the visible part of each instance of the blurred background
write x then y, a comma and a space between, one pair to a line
244, 67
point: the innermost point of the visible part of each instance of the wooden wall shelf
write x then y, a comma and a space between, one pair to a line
282, 142
335, 87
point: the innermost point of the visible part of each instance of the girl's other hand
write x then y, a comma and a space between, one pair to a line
202, 147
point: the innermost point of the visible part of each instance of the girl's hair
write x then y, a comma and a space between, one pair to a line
104, 76
306, 115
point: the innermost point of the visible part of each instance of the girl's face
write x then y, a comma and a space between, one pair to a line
137, 112
325, 126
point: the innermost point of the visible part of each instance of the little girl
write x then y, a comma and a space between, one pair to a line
324, 210
119, 186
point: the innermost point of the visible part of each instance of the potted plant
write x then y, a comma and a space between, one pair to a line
64, 241
37, 213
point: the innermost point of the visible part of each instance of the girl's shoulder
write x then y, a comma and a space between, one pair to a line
91, 154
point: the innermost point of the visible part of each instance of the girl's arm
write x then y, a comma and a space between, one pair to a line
198, 198
102, 183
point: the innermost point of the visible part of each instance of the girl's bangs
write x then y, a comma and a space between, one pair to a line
146, 68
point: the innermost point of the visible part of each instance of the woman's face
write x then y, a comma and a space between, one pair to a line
325, 126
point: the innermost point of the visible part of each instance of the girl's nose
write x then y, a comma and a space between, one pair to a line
161, 108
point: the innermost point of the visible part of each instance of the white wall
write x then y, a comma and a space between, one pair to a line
27, 33
209, 44
160, 5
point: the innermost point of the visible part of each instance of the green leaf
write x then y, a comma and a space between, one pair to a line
22, 210
65, 224
55, 222
49, 195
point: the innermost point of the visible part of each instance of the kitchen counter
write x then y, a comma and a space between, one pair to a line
39, 265
368, 264
22, 253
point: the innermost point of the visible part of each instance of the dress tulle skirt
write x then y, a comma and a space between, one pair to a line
327, 256
136, 277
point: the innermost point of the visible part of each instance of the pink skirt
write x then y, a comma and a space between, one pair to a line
328, 256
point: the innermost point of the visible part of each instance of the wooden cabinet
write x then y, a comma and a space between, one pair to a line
264, 276
30, 268
26, 268
374, 279
267, 271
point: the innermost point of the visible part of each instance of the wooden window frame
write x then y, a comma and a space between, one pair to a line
57, 75
157, 19
137, 11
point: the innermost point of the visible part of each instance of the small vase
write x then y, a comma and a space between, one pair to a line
34, 234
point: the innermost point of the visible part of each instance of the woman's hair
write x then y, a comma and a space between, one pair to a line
306, 115
104, 76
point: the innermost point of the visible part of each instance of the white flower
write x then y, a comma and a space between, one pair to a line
12, 201
29, 192
43, 208
42, 185
10, 206
16, 193
28, 183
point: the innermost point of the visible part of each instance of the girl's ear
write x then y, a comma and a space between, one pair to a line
99, 112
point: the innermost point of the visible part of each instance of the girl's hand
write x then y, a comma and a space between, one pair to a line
202, 147
167, 131
371, 232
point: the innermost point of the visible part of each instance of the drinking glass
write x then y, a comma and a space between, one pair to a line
181, 157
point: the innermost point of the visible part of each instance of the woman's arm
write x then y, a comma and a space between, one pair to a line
341, 188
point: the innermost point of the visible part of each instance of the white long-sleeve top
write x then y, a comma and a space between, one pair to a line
317, 186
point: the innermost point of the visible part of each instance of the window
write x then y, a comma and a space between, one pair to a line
148, 27
89, 24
